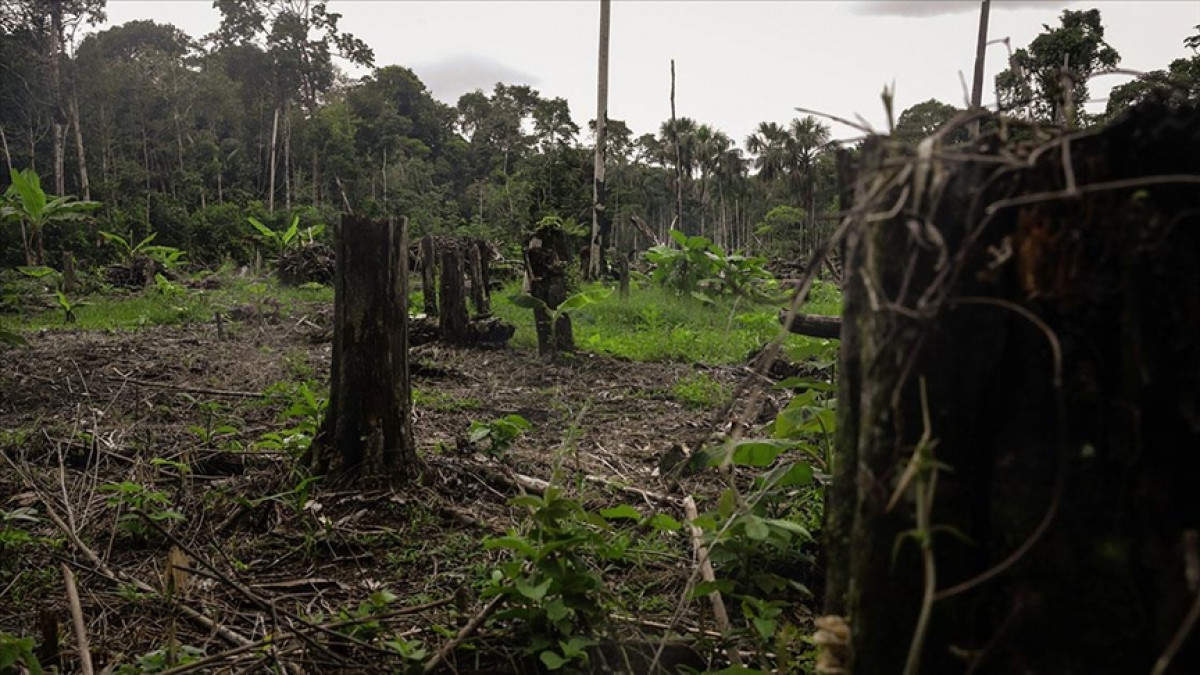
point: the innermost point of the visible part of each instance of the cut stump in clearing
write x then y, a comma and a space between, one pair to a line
1024, 327
453, 294
429, 275
367, 433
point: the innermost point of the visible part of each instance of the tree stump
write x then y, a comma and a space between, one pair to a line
428, 273
623, 275
547, 263
453, 318
479, 289
1037, 330
367, 433
1034, 332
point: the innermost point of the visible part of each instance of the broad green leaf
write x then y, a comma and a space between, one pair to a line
552, 660
515, 543
759, 452
790, 475
262, 229
755, 528
12, 338
804, 383
624, 511
664, 523
531, 591
37, 272
114, 238
527, 301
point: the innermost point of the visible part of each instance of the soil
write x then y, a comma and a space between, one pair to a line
263, 557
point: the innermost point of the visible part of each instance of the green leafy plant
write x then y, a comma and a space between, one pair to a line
702, 269
306, 410
552, 587
281, 241
572, 303
160, 660
68, 307
18, 652
26, 202
167, 256
134, 499
499, 433
13, 537
214, 432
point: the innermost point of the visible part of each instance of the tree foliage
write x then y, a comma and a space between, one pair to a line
1050, 77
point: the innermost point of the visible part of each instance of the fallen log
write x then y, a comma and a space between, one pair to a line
813, 325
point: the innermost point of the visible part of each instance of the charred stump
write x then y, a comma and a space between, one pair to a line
479, 283
428, 275
1020, 369
547, 265
452, 289
367, 432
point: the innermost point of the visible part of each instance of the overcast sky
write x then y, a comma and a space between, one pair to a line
738, 62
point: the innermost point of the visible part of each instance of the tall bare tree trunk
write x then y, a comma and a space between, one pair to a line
316, 183
7, 155
84, 187
980, 54
287, 158
599, 216
678, 159
271, 184
58, 117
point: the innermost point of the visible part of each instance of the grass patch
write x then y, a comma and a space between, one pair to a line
699, 390
171, 304
655, 324
443, 402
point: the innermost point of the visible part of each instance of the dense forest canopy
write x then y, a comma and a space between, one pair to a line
186, 135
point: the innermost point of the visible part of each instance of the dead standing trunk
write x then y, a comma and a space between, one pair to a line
429, 275
453, 295
479, 289
547, 260
367, 433
1039, 344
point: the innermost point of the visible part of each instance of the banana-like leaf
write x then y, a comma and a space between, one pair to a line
262, 229
527, 301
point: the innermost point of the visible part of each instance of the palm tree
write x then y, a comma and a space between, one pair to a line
790, 154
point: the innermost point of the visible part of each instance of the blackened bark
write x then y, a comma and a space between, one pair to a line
367, 434
453, 317
479, 289
547, 261
1054, 327
428, 275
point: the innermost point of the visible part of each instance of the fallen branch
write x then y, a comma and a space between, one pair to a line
706, 572
812, 325
466, 632
185, 389
81, 638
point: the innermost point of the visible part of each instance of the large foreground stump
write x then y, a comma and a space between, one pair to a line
367, 433
1019, 421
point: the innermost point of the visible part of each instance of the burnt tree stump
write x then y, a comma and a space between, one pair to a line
1020, 366
547, 262
452, 289
367, 432
428, 275
479, 283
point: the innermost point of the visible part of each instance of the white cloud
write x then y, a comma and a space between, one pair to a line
923, 8
455, 75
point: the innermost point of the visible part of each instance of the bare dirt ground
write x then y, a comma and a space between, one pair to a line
266, 554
